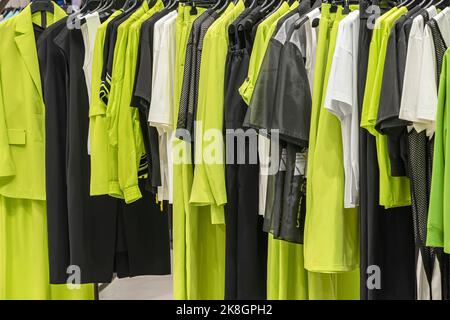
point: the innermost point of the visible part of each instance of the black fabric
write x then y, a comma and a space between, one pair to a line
288, 221
282, 101
99, 234
141, 99
245, 27
292, 113
108, 54
282, 97
386, 236
53, 78
246, 243
388, 121
189, 73
275, 190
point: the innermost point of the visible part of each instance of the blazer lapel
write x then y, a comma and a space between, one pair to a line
27, 46
26, 42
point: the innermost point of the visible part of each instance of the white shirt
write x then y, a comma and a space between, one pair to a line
311, 45
162, 101
89, 31
342, 100
428, 91
411, 81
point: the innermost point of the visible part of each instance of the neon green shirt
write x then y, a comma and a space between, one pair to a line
263, 35
394, 191
209, 178
331, 231
97, 118
438, 230
130, 141
119, 87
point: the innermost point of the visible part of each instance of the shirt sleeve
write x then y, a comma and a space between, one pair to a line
293, 97
130, 137
427, 99
208, 186
387, 122
412, 69
436, 212
339, 95
160, 114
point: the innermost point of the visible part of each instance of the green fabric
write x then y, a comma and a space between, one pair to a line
209, 177
114, 100
22, 110
438, 231
183, 279
97, 118
130, 142
286, 274
331, 231
122, 169
24, 269
24, 266
394, 191
287, 279
263, 35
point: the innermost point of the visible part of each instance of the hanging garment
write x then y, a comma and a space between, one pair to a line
319, 250
325, 210
142, 94
23, 221
209, 185
388, 122
98, 138
394, 191
161, 106
127, 156
184, 274
246, 243
435, 279
99, 227
386, 235
341, 100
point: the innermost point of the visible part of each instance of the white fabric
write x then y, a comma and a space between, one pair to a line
418, 41
89, 31
422, 286
162, 101
342, 100
428, 90
311, 45
436, 281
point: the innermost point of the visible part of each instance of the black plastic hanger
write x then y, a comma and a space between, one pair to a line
130, 5
440, 4
268, 6
223, 7
42, 6
172, 5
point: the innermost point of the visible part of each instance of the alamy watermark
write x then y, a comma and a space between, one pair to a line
234, 146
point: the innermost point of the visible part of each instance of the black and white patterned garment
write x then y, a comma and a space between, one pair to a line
420, 148
191, 77
440, 47
189, 66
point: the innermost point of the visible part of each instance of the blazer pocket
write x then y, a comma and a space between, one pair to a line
16, 136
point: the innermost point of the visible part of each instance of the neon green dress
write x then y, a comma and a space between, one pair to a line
331, 245
184, 281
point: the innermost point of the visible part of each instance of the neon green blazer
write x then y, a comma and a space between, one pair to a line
22, 111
